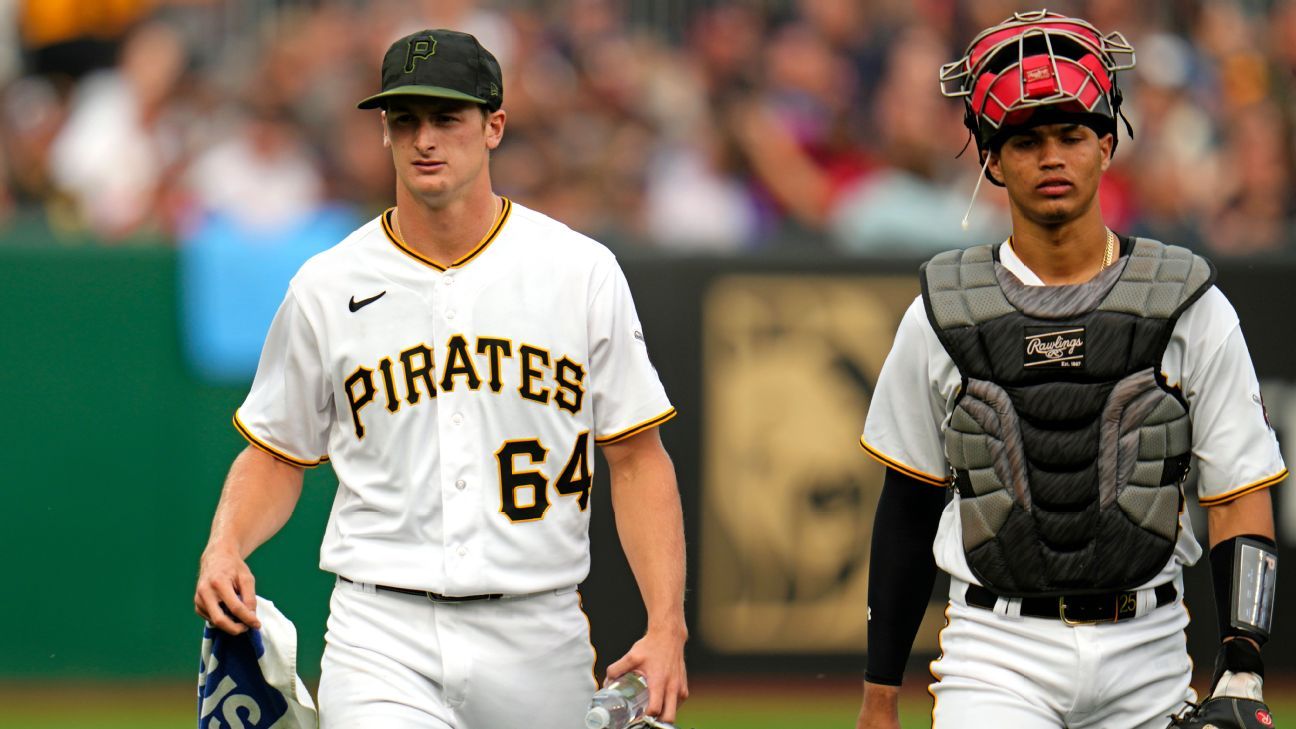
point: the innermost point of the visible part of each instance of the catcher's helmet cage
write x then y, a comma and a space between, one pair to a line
1038, 67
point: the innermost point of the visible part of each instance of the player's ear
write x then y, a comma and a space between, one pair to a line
494, 127
386, 134
1106, 143
994, 169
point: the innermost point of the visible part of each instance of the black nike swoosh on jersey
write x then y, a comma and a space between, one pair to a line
358, 305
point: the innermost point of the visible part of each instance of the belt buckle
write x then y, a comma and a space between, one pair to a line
1062, 613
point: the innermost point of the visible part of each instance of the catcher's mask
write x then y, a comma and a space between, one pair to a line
1037, 68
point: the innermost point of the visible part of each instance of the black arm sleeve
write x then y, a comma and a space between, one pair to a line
902, 571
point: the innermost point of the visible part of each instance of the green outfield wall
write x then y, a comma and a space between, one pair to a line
114, 451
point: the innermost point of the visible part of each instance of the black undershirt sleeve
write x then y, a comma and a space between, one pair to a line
902, 571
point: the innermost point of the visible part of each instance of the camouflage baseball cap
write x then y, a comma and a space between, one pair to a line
440, 63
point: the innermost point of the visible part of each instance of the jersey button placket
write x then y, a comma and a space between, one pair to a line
458, 448
447, 284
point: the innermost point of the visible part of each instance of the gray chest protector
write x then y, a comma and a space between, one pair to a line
1068, 448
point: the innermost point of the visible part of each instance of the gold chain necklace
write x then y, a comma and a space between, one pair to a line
1108, 255
1111, 249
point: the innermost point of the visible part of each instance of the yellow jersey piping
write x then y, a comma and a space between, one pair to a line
262, 445
902, 468
496, 227
1239, 492
636, 429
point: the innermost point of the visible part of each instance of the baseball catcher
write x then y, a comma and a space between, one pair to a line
1054, 388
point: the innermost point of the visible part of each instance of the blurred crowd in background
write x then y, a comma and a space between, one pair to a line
691, 125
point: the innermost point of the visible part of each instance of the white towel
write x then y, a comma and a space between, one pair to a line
250, 681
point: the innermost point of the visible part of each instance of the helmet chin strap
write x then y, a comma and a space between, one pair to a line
975, 190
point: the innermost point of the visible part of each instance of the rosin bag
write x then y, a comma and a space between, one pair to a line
250, 681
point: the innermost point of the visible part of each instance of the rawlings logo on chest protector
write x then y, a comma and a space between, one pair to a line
1054, 347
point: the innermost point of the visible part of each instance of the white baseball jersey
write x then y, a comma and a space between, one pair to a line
458, 403
1207, 358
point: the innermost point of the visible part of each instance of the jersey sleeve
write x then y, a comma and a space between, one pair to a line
288, 412
1237, 451
903, 428
627, 394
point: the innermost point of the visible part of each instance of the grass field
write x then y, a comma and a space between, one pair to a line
800, 703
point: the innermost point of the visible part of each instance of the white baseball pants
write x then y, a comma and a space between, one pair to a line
395, 661
1002, 670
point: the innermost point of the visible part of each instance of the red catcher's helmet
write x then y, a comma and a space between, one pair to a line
1036, 68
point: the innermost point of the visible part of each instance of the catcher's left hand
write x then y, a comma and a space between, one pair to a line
1238, 699
1224, 712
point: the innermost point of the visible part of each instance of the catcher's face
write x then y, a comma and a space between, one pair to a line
1052, 171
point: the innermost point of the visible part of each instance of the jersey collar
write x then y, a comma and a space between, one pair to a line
1008, 257
491, 235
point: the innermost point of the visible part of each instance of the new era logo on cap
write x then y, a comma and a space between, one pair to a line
443, 64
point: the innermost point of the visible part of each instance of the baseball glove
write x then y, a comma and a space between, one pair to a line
1238, 699
1224, 712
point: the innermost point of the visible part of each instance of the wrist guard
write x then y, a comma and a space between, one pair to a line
1245, 572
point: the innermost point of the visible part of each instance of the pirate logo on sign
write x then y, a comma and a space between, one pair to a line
1053, 347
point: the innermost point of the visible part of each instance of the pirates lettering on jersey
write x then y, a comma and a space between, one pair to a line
541, 379
495, 349
389, 385
459, 363
532, 359
568, 376
363, 376
416, 372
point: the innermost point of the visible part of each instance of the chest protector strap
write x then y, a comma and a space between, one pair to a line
1067, 445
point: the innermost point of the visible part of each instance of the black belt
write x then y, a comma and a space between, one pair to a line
1107, 607
433, 596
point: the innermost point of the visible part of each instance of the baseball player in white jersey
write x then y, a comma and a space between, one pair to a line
456, 360
1055, 386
